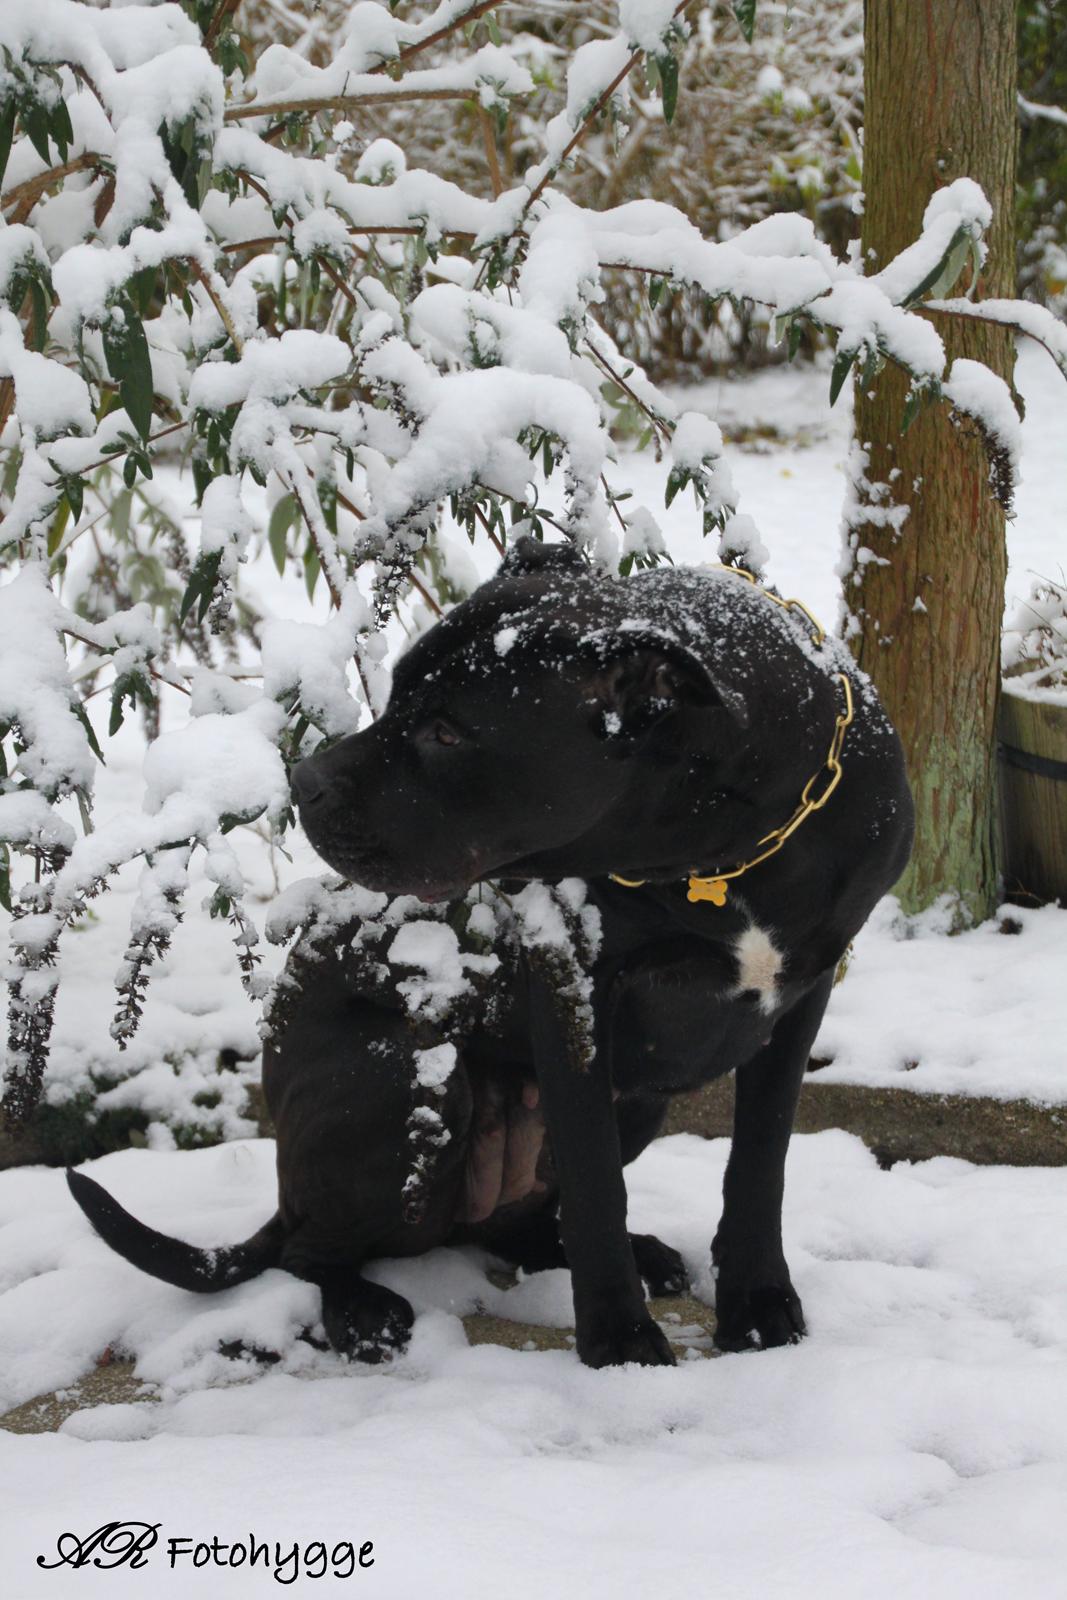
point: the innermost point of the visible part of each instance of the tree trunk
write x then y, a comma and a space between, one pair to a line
924, 589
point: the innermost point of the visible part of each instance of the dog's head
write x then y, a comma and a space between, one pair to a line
539, 730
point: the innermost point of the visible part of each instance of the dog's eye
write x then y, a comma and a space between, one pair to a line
442, 733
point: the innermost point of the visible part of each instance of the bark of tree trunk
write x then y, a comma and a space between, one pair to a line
926, 564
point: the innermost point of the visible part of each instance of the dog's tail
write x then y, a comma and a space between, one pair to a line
184, 1265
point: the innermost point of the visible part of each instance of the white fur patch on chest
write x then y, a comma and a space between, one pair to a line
759, 963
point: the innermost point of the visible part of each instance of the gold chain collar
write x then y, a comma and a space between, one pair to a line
714, 888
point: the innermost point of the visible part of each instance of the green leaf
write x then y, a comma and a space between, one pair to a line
745, 12
655, 290
282, 519
841, 368
35, 121
942, 277
94, 744
201, 586
668, 77
59, 523
39, 303
74, 490
312, 569
62, 132
122, 690
7, 133
129, 363
142, 287
135, 390
5, 878
120, 515
796, 333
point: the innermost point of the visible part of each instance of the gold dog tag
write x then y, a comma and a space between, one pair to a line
713, 889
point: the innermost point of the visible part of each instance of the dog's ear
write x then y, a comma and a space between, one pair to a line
528, 554
636, 687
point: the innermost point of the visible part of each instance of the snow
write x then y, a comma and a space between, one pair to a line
51, 399
432, 950
981, 394
230, 765
284, 77
646, 22
913, 1444
35, 689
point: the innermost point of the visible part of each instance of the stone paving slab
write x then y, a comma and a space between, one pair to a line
899, 1125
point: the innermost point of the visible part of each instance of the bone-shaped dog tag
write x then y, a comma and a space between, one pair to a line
713, 889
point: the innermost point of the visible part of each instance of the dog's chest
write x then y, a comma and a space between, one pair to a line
678, 1015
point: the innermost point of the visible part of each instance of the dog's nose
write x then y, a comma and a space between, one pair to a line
305, 784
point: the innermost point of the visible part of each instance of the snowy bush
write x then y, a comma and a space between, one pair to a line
1035, 640
191, 285
762, 125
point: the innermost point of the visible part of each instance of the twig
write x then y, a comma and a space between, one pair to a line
252, 244
587, 121
484, 520
225, 11
325, 563
227, 321
426, 595
462, 21
576, 138
977, 315
105, 461
338, 282
33, 188
658, 424
491, 156
341, 102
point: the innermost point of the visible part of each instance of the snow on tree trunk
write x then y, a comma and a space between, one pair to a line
926, 564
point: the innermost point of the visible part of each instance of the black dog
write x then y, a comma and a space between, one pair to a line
628, 733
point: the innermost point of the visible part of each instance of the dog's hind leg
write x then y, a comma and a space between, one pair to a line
534, 1244
342, 1086
363, 1320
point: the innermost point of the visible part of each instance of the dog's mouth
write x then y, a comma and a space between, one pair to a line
373, 867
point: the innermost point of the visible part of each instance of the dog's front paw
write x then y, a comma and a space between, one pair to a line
757, 1317
640, 1341
660, 1268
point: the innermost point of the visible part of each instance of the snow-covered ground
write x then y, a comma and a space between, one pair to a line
914, 1445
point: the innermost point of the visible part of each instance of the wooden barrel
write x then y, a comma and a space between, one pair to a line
1033, 795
